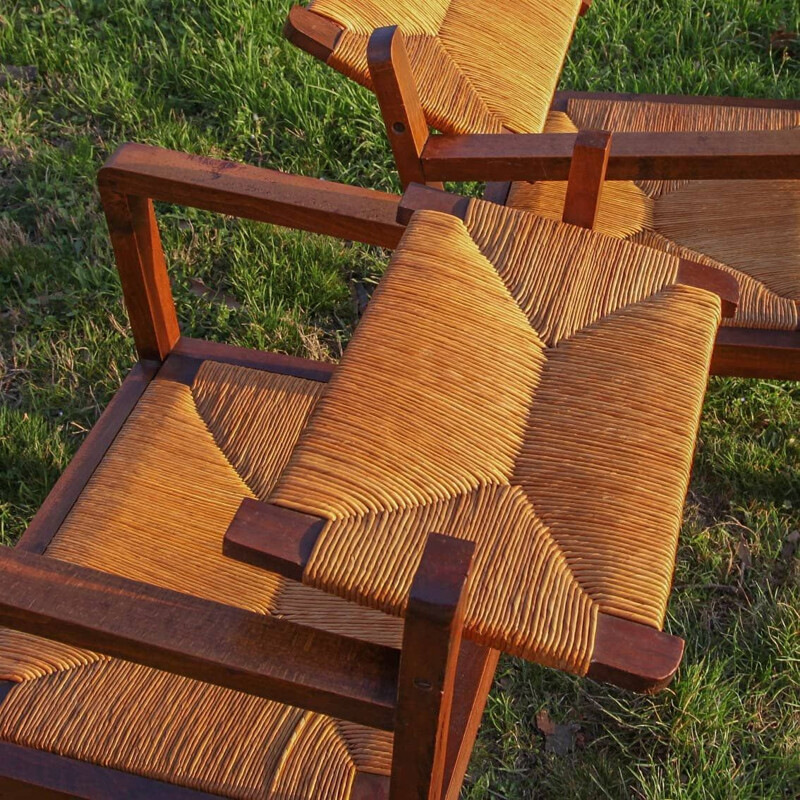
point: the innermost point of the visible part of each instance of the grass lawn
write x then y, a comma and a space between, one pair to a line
216, 78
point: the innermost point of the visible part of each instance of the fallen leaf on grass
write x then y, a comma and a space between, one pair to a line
360, 296
744, 556
784, 40
199, 289
791, 546
558, 739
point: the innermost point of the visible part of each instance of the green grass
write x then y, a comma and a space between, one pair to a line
216, 78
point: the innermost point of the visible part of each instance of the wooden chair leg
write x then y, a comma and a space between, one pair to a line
587, 174
399, 101
143, 273
431, 644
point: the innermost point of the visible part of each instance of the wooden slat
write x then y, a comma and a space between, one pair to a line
627, 654
292, 536
67, 489
348, 212
634, 156
188, 354
368, 786
561, 99
634, 656
418, 197
198, 638
587, 175
431, 644
310, 32
719, 281
26, 774
750, 353
394, 86
142, 271
476, 668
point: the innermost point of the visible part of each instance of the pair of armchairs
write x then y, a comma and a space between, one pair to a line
266, 577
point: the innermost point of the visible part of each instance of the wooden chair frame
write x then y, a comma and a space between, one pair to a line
588, 158
431, 693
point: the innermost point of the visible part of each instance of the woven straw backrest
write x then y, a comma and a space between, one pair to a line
479, 66
479, 401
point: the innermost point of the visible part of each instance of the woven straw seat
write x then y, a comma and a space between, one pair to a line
189, 448
479, 69
749, 228
464, 86
502, 388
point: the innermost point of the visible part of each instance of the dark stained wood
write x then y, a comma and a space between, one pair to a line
476, 668
634, 156
5, 688
188, 354
142, 271
394, 86
561, 99
417, 197
497, 192
277, 539
311, 32
428, 661
751, 353
27, 774
718, 281
349, 212
200, 639
633, 656
67, 489
587, 176
367, 786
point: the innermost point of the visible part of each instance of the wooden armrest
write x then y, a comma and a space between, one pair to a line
747, 155
198, 638
241, 190
627, 654
311, 32
137, 174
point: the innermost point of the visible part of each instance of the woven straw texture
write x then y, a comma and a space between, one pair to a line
535, 423
477, 68
205, 448
479, 71
749, 228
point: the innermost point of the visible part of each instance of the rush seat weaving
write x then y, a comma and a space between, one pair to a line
481, 69
507, 386
464, 86
156, 510
749, 228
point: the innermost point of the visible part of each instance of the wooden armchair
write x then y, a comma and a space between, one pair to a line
729, 200
139, 661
